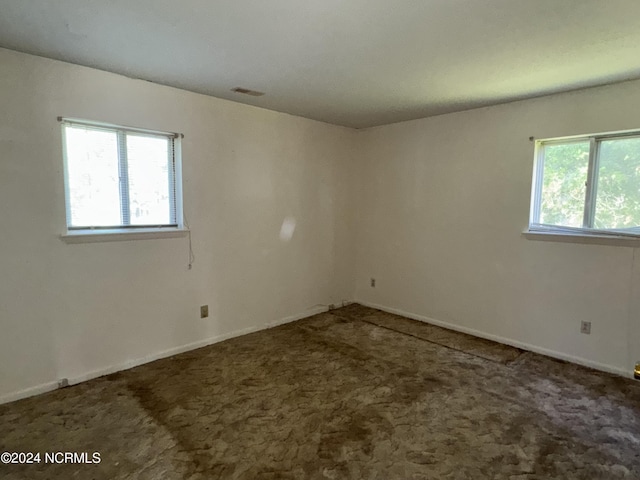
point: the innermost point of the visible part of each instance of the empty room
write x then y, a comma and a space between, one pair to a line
264, 240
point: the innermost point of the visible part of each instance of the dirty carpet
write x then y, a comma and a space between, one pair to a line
355, 393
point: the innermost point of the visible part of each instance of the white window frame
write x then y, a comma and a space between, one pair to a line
591, 190
126, 231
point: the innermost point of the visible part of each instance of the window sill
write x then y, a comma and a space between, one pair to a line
116, 235
585, 238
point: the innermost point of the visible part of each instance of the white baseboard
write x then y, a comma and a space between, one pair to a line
507, 341
52, 385
49, 386
28, 392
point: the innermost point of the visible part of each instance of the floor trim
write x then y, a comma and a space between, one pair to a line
506, 341
49, 386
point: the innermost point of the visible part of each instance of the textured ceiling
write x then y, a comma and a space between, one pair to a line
356, 63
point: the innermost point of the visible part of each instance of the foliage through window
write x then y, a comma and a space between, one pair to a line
590, 184
119, 178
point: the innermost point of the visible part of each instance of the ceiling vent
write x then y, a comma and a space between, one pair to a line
246, 91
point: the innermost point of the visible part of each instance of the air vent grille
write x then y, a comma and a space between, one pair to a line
246, 91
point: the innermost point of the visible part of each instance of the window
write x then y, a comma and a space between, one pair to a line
588, 185
119, 178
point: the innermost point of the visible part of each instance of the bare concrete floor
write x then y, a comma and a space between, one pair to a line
351, 394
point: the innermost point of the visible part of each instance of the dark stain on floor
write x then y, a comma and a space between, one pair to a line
355, 393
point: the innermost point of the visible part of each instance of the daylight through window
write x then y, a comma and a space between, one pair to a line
588, 184
119, 178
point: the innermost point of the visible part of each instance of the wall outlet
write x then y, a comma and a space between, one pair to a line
373, 283
204, 311
585, 327
63, 383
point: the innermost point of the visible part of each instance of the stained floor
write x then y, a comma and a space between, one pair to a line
351, 394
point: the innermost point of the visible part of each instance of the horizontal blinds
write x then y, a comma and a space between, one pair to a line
110, 126
119, 177
542, 227
173, 210
120, 227
123, 163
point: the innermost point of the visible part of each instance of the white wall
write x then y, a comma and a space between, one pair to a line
78, 310
433, 209
442, 203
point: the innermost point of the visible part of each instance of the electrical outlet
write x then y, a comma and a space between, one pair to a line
204, 311
63, 383
373, 283
585, 327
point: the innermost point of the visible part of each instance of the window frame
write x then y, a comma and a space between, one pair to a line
127, 230
591, 189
